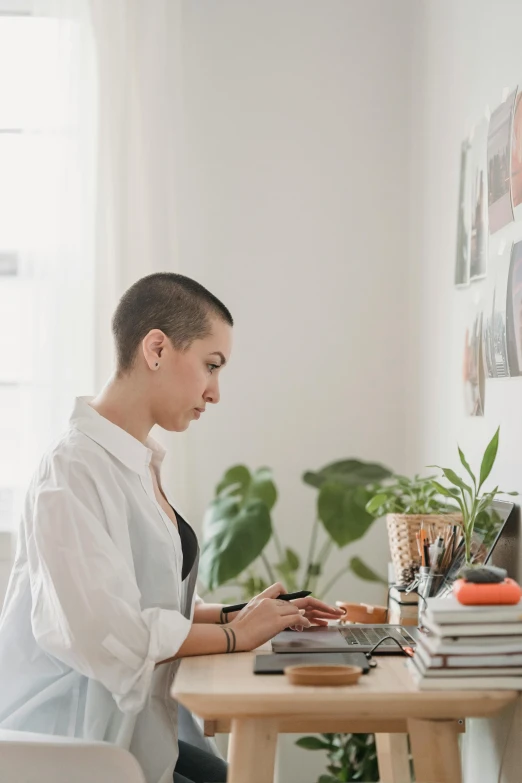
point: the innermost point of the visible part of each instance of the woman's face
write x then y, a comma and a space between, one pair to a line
184, 382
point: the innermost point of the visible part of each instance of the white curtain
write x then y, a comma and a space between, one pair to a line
140, 175
139, 54
48, 98
140, 105
98, 97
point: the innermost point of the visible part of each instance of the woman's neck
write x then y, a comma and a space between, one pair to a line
123, 402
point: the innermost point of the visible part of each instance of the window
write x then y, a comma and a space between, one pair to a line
47, 137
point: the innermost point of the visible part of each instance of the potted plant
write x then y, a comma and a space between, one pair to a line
407, 503
238, 528
351, 757
475, 505
239, 538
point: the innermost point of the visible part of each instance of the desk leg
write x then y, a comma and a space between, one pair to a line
252, 749
393, 757
435, 748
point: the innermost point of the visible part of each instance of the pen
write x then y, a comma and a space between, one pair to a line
435, 551
282, 597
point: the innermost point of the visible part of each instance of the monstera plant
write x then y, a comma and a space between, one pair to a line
240, 539
238, 528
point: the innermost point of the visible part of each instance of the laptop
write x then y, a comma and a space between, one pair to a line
362, 638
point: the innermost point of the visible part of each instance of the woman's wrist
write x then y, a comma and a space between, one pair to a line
227, 617
211, 613
242, 638
231, 640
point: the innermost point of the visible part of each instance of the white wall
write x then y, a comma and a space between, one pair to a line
296, 194
296, 121
467, 52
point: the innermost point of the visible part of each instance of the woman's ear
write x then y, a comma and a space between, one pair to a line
152, 347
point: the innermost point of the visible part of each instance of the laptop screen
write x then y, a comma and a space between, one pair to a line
487, 534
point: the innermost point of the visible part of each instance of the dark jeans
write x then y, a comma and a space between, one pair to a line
198, 766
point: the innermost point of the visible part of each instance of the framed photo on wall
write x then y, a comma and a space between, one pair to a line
499, 165
479, 202
514, 311
516, 159
463, 222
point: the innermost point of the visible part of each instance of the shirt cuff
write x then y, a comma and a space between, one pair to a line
168, 630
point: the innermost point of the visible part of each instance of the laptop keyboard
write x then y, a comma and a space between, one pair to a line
370, 636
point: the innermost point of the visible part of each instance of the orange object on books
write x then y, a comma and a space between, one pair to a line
476, 594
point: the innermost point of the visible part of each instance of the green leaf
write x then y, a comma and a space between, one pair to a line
348, 472
250, 587
489, 458
312, 743
363, 571
234, 536
292, 559
455, 492
466, 465
456, 480
373, 506
237, 477
328, 779
343, 514
262, 487
442, 490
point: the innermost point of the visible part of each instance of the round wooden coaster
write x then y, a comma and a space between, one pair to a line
323, 675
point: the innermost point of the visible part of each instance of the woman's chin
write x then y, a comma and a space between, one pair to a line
179, 424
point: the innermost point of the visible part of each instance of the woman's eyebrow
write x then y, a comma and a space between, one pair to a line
218, 353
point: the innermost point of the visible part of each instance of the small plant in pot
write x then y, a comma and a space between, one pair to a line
406, 503
480, 522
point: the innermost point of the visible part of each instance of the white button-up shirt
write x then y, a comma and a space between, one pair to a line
96, 598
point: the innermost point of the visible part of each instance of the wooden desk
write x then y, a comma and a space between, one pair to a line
223, 690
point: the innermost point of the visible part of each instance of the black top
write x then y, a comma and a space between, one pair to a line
189, 546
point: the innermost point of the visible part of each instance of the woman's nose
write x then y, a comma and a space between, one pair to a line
212, 394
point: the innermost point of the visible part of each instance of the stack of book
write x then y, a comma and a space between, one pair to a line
469, 647
403, 607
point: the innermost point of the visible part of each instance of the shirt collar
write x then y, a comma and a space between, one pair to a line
125, 447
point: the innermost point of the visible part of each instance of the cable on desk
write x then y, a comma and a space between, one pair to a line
404, 647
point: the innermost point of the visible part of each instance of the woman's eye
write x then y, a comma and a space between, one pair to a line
212, 367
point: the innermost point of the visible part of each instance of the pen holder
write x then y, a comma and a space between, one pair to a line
428, 586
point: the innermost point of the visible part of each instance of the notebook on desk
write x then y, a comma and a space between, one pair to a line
275, 664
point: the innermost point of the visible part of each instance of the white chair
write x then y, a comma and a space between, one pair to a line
43, 758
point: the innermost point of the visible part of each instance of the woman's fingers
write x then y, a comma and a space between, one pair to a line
324, 615
314, 603
285, 607
273, 591
294, 621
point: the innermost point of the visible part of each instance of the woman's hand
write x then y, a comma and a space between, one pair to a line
263, 618
271, 592
316, 611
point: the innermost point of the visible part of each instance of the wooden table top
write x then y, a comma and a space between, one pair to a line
215, 686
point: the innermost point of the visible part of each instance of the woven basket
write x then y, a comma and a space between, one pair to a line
401, 535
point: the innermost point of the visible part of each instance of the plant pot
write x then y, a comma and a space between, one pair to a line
402, 529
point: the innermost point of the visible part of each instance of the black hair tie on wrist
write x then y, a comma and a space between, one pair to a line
225, 631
